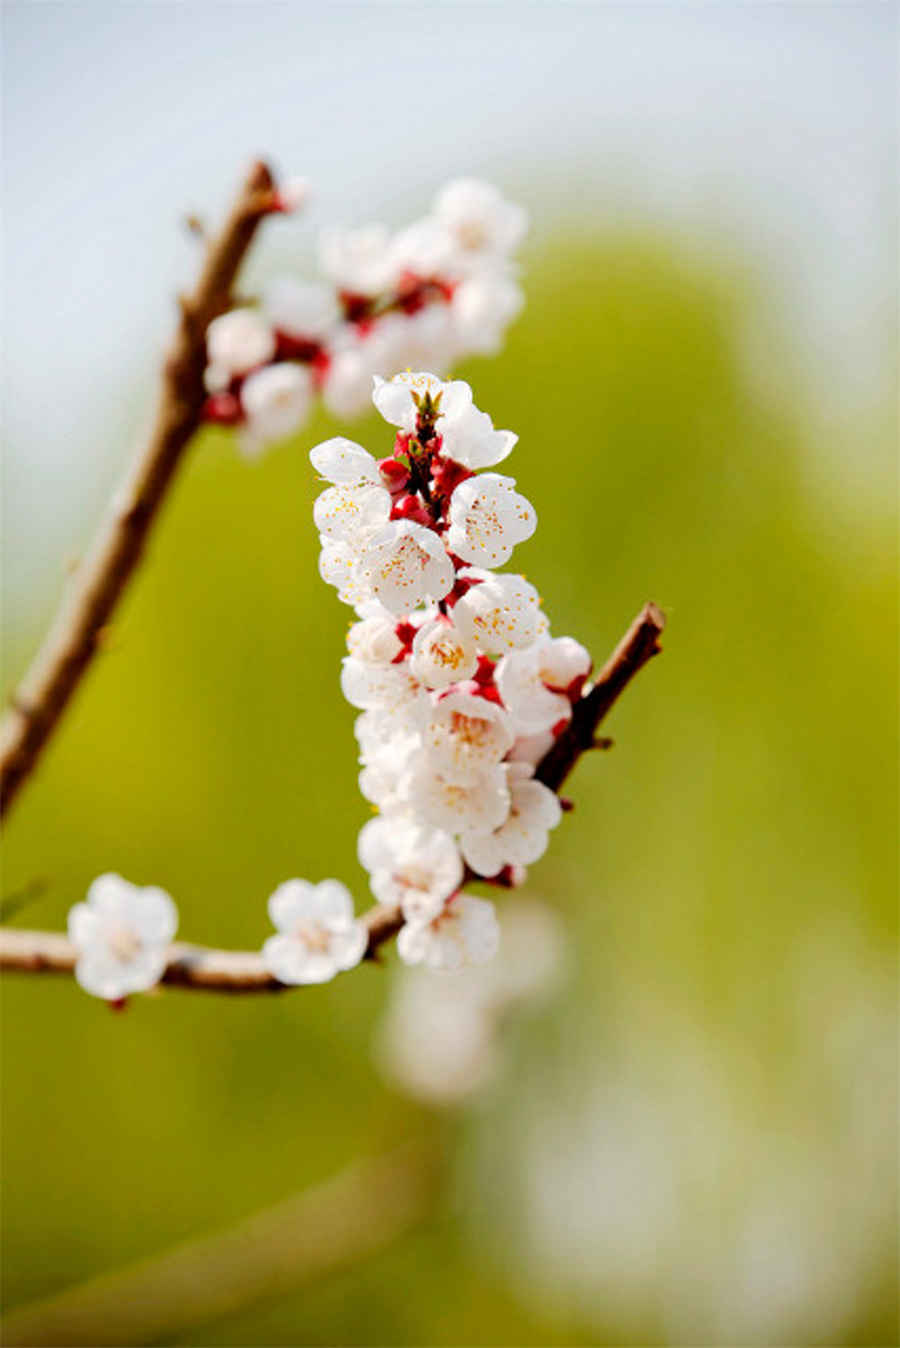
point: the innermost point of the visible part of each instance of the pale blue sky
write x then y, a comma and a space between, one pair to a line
763, 128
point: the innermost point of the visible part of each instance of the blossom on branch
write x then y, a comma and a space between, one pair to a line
318, 935
122, 934
460, 686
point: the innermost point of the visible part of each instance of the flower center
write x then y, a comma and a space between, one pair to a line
470, 730
313, 936
471, 234
123, 942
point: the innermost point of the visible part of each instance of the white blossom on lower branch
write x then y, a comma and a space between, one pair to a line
122, 934
317, 934
460, 686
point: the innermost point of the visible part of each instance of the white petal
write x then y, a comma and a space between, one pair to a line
291, 962
342, 512
83, 925
333, 902
340, 460
290, 903
154, 915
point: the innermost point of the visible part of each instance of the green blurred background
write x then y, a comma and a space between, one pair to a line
693, 1141
714, 1084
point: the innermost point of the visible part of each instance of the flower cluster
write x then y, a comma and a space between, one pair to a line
438, 290
460, 686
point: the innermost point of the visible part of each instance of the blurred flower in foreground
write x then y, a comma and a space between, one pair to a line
667, 1174
439, 1039
121, 933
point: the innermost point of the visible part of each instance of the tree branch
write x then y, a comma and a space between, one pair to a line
639, 644
207, 970
45, 691
190, 966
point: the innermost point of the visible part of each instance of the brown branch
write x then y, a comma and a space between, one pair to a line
190, 966
639, 644
207, 970
42, 697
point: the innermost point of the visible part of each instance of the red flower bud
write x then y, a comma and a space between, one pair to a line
393, 474
223, 408
409, 507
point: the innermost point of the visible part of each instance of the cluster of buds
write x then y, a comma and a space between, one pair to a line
440, 289
460, 686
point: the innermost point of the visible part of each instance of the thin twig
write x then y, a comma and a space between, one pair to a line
207, 970
639, 644
270, 1254
44, 693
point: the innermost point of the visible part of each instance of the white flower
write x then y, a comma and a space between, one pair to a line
503, 611
439, 1038
339, 565
522, 838
394, 397
466, 735
443, 652
456, 807
389, 689
464, 932
426, 338
427, 248
358, 261
276, 401
348, 511
122, 934
485, 225
471, 440
487, 519
533, 682
357, 357
239, 341
344, 462
482, 308
317, 934
348, 378
301, 309
468, 435
406, 563
436, 1040
374, 641
414, 866
379, 784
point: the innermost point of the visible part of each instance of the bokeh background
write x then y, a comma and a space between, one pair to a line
690, 1138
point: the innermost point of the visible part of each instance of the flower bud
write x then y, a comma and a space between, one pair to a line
409, 507
393, 475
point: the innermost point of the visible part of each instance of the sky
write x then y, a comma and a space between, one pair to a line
765, 132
